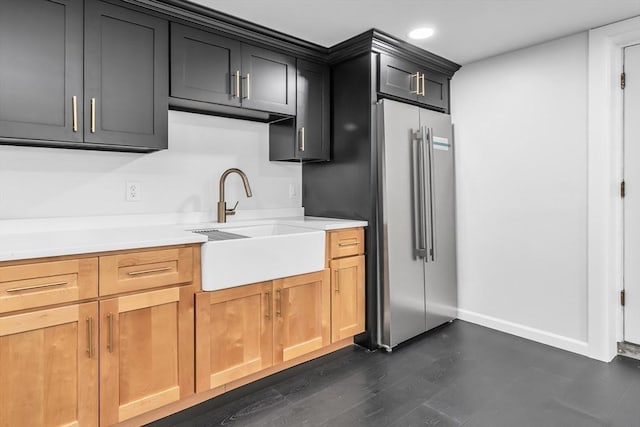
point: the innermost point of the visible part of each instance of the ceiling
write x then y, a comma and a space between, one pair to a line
466, 30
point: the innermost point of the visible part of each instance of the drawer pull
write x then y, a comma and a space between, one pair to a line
45, 285
110, 332
153, 270
354, 242
279, 306
90, 337
269, 303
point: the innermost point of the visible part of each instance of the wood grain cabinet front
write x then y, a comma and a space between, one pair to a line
146, 352
38, 284
345, 257
49, 367
302, 315
234, 334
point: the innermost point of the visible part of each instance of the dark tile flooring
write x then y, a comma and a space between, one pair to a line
459, 374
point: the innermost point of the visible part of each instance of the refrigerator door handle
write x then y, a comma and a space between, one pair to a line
432, 198
419, 216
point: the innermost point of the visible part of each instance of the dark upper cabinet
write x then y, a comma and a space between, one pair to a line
204, 67
82, 75
269, 80
307, 137
41, 69
126, 77
212, 69
403, 79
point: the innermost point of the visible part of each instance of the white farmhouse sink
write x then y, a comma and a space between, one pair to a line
269, 252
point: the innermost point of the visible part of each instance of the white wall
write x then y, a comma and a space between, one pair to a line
521, 163
47, 182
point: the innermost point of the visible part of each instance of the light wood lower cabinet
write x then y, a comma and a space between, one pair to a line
302, 315
146, 352
234, 334
49, 367
241, 331
347, 297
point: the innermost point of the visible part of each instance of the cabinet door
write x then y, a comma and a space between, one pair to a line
312, 111
269, 80
347, 297
398, 78
302, 315
49, 374
146, 352
436, 90
204, 67
126, 77
234, 334
41, 69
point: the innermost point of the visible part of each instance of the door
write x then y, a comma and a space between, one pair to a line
302, 315
146, 352
234, 334
440, 263
312, 119
269, 80
398, 78
204, 67
347, 297
49, 374
126, 77
631, 200
403, 221
41, 69
434, 89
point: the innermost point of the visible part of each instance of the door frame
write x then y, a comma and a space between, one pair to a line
604, 174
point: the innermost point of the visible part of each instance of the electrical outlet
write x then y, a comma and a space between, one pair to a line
133, 191
292, 191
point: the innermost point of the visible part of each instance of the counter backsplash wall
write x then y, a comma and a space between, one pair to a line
48, 182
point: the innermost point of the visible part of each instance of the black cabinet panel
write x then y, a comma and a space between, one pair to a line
403, 79
40, 69
269, 80
307, 137
126, 77
398, 78
313, 110
204, 67
436, 90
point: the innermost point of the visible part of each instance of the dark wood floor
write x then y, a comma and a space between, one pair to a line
460, 374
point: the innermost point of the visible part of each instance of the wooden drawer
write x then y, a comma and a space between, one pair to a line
144, 270
45, 283
347, 242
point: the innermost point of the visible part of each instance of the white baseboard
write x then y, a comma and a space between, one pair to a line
554, 340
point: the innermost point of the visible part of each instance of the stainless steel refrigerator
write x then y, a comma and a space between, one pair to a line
417, 252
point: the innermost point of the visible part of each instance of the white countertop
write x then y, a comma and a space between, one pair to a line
24, 244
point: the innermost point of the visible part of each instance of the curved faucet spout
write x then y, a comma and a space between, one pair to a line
222, 204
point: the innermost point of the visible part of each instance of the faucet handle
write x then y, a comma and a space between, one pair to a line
232, 211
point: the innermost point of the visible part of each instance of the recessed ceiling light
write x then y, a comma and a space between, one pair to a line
421, 33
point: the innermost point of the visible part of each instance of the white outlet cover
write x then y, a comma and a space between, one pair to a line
133, 191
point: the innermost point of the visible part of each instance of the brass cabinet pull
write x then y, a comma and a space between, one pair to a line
269, 302
337, 281
93, 115
353, 242
153, 270
417, 76
236, 94
74, 104
279, 306
110, 332
248, 86
424, 91
45, 285
90, 337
